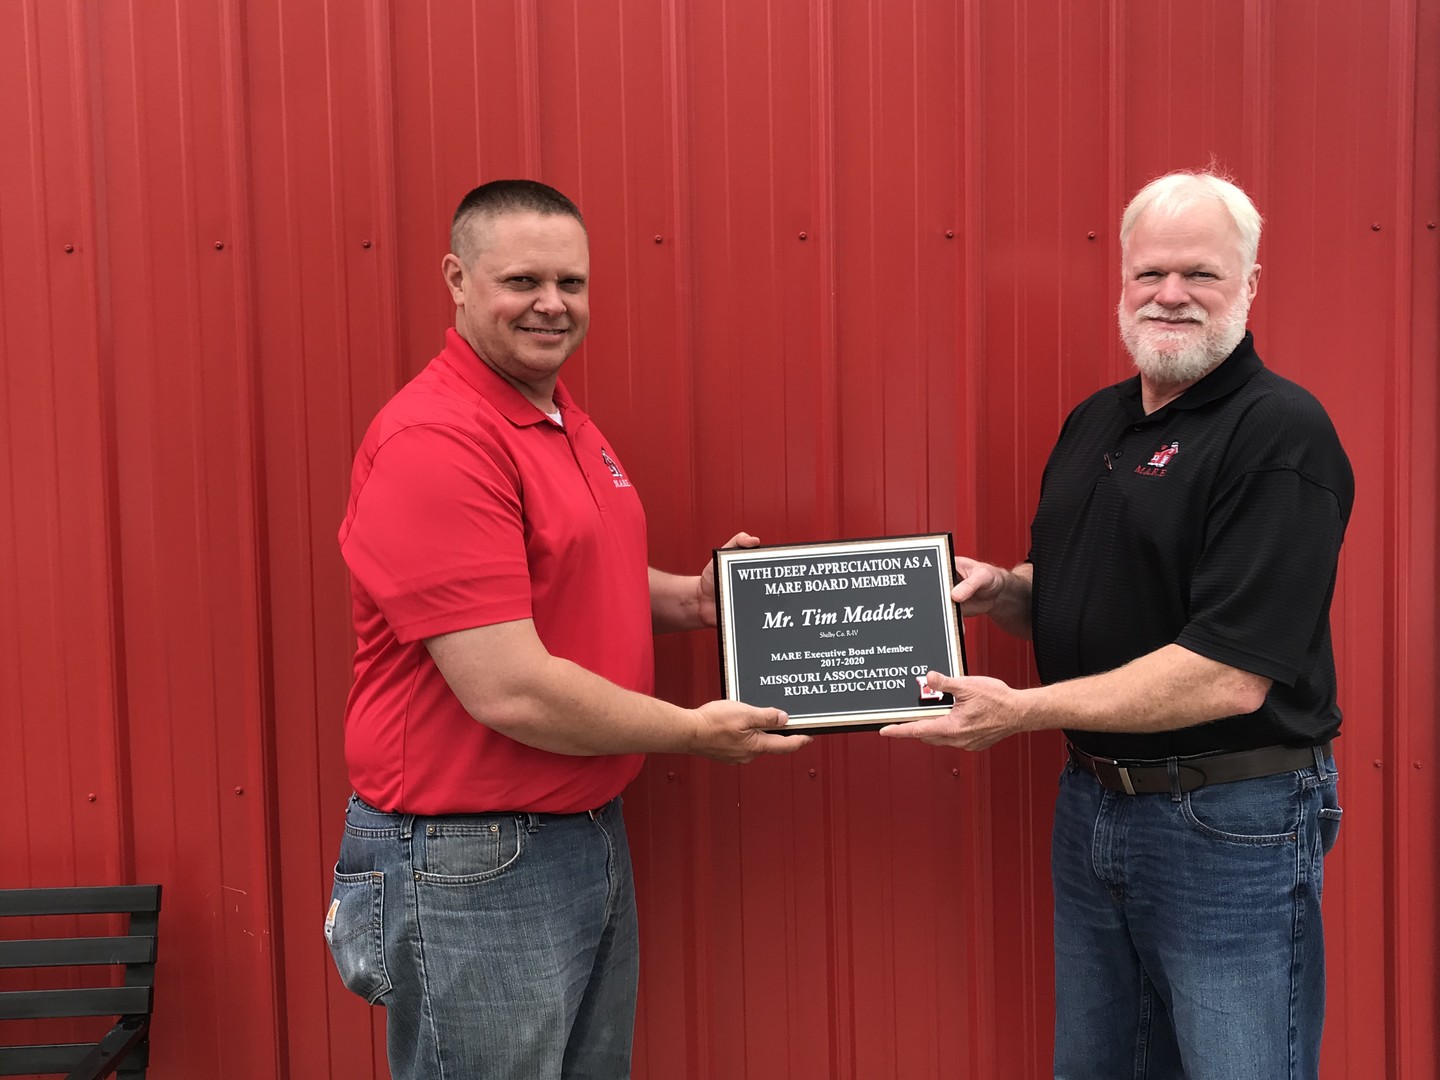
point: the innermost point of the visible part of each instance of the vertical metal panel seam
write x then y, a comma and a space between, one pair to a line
93, 216
828, 378
624, 204
235, 97
528, 64
823, 143
980, 920
1400, 450
53, 527
1258, 96
679, 88
1118, 136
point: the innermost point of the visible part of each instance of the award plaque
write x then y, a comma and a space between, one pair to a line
839, 635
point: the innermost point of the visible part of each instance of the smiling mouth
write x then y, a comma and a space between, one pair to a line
544, 331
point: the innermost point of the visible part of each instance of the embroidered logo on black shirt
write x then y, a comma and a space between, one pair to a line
1159, 460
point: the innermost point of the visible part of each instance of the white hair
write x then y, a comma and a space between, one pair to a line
1177, 190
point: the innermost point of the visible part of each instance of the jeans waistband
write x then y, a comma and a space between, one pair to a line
1155, 777
533, 817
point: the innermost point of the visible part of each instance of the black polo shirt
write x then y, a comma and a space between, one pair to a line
1214, 523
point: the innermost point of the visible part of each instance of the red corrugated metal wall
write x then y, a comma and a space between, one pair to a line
852, 264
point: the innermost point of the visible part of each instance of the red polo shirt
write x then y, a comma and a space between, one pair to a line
469, 507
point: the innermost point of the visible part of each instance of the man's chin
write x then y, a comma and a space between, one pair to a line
1172, 368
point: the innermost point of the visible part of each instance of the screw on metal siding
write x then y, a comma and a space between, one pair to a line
669, 776
1430, 225
949, 234
219, 245
659, 239
1374, 226
365, 244
813, 774
1090, 236
954, 772
90, 797
239, 791
70, 248
804, 236
1377, 763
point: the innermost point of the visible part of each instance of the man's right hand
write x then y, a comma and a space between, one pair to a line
1002, 594
733, 732
980, 585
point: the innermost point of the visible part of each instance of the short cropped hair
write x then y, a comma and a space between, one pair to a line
1177, 190
504, 197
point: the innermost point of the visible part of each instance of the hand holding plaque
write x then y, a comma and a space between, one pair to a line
840, 635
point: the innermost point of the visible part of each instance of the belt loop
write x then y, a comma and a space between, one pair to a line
407, 826
532, 822
1172, 770
1320, 762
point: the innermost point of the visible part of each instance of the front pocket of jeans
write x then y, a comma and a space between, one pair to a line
472, 852
1261, 811
354, 929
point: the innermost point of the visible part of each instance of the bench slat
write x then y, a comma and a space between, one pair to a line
91, 1001
77, 952
57, 1058
80, 900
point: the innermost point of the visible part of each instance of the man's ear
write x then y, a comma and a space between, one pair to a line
1253, 281
454, 273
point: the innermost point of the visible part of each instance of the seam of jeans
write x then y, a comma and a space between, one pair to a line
427, 1010
1142, 1028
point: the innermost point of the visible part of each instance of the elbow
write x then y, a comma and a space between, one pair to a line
511, 716
1248, 692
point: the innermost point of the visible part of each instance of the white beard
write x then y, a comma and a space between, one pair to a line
1160, 354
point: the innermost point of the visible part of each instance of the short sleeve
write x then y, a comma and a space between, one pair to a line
436, 536
1266, 574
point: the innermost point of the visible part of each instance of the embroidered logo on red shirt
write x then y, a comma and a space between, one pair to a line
1159, 460
616, 476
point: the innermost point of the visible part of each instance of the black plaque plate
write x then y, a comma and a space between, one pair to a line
840, 634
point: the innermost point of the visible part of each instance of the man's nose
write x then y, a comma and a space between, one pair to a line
548, 301
1172, 291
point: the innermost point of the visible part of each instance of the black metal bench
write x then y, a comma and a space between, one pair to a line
123, 1049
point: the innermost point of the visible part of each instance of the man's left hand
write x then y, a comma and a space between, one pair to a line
985, 711
706, 598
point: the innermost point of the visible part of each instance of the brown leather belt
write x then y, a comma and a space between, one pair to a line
1153, 777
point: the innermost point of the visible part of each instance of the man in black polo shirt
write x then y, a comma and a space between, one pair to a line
1178, 590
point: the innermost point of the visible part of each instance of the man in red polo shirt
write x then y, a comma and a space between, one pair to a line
503, 676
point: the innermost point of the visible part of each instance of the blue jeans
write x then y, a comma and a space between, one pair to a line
1188, 941
503, 946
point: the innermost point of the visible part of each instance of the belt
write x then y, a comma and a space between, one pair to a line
1153, 777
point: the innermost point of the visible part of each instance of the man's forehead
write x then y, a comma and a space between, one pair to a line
1202, 229
516, 231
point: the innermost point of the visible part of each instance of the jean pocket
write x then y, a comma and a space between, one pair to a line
470, 851
1330, 817
355, 932
1262, 811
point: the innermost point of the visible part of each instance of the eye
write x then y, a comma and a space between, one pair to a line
1148, 275
520, 281
1202, 275
574, 284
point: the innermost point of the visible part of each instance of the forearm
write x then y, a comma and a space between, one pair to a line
1010, 609
549, 703
674, 602
1168, 689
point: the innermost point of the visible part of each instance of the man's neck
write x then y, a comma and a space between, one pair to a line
1155, 396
